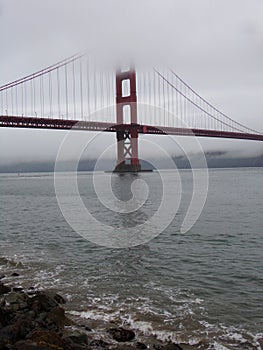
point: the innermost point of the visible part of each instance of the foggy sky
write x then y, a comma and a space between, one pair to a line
214, 45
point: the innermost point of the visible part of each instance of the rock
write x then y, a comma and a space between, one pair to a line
59, 299
14, 332
77, 338
42, 301
140, 345
15, 274
48, 338
46, 301
87, 328
15, 301
57, 315
121, 334
2, 276
98, 343
4, 289
171, 346
27, 345
3, 318
17, 289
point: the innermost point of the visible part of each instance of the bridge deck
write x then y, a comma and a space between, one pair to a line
60, 124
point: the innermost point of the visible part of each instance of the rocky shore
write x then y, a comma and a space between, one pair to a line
32, 319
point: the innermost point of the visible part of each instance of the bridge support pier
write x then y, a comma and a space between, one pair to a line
127, 138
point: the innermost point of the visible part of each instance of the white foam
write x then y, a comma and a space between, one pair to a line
217, 346
95, 315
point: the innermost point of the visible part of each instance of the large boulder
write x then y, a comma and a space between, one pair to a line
46, 301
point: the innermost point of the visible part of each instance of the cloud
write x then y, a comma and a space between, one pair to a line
216, 46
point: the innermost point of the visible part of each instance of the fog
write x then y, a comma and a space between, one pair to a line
216, 46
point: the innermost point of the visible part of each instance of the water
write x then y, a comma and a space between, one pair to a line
204, 287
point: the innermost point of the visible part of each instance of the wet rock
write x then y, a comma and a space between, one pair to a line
27, 345
121, 334
48, 338
98, 343
16, 301
17, 289
171, 346
59, 299
2, 276
15, 274
4, 289
57, 315
12, 333
3, 318
43, 301
77, 338
140, 345
87, 328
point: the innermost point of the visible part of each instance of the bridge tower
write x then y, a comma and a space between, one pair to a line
127, 134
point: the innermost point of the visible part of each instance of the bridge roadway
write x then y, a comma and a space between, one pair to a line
62, 124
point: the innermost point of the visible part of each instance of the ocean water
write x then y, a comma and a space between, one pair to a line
203, 288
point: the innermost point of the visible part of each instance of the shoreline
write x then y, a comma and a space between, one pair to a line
32, 319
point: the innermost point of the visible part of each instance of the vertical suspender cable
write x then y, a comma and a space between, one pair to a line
81, 88
22, 99
50, 94
66, 89
25, 90
95, 91
31, 97
12, 106
74, 90
6, 101
58, 92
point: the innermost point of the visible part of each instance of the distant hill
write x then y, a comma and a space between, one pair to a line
214, 160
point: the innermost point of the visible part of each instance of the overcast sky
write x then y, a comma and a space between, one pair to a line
214, 45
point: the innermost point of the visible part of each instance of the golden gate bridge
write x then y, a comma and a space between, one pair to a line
75, 94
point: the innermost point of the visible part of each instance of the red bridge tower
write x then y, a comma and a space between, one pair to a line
127, 134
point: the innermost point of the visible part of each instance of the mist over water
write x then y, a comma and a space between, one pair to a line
201, 287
